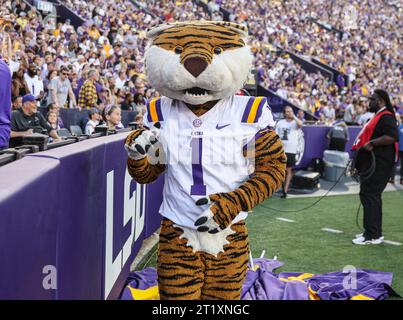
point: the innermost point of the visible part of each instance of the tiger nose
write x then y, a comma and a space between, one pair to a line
195, 66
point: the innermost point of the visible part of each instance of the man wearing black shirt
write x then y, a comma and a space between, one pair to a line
28, 120
382, 142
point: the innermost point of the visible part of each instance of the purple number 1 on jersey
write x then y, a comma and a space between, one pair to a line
198, 188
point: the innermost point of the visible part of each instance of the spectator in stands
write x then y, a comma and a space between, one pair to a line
121, 80
95, 117
34, 82
112, 117
52, 118
139, 121
287, 130
301, 116
213, 7
54, 107
88, 97
349, 113
74, 84
17, 103
338, 136
28, 120
105, 94
329, 112
140, 103
322, 120
60, 88
128, 103
365, 115
52, 73
19, 85
130, 40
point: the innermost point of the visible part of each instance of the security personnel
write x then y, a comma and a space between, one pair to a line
379, 136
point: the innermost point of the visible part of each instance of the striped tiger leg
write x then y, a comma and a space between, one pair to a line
225, 273
180, 271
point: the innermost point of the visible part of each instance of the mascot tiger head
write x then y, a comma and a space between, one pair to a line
198, 62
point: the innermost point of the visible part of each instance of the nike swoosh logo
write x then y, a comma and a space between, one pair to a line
222, 127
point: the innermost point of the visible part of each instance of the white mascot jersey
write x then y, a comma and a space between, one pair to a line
204, 155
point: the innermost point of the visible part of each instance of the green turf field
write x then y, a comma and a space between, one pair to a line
304, 247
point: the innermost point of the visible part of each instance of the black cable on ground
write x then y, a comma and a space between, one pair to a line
356, 218
358, 176
317, 201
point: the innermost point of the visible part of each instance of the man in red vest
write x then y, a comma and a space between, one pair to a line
379, 136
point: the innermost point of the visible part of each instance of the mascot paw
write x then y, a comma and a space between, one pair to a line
145, 144
217, 217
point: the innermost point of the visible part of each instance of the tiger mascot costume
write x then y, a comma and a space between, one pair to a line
219, 154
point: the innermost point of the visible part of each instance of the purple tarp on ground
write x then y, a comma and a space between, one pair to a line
264, 284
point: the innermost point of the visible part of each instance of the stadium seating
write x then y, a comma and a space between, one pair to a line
76, 130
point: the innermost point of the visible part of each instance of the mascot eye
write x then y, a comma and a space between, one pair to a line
178, 49
217, 50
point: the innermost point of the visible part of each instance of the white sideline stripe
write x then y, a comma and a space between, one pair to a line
332, 230
392, 242
284, 219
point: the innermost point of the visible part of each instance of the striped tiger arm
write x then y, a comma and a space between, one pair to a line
141, 170
269, 174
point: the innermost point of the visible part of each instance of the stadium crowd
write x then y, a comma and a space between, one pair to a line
368, 52
97, 65
100, 64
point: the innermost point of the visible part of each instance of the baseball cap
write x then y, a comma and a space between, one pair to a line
93, 111
28, 98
